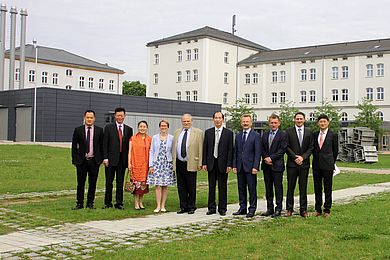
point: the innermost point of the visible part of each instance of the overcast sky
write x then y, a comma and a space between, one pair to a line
116, 31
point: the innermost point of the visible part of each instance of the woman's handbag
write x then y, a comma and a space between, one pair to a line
129, 184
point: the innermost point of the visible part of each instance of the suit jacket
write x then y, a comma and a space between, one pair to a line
275, 152
225, 149
111, 146
247, 156
294, 149
79, 145
194, 149
325, 158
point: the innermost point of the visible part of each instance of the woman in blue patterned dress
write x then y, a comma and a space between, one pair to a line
160, 165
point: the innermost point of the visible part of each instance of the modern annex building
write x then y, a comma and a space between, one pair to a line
210, 65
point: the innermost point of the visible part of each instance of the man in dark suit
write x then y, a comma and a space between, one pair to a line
87, 155
299, 149
326, 148
246, 162
115, 154
274, 144
218, 160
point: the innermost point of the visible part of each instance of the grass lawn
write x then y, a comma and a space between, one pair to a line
383, 163
359, 230
5, 229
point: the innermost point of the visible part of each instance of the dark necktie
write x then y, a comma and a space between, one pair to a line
244, 138
300, 138
88, 139
120, 137
184, 144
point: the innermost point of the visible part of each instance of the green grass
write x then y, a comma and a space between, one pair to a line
383, 163
359, 230
5, 230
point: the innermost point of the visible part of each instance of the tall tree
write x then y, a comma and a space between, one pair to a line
368, 116
332, 112
133, 88
234, 114
287, 112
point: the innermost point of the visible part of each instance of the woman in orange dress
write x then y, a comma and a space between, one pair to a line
139, 147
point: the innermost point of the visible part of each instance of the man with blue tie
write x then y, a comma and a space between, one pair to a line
274, 144
246, 162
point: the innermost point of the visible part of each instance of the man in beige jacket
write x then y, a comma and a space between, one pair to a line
187, 160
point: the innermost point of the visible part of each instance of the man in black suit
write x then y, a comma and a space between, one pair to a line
115, 154
326, 149
218, 160
299, 149
246, 162
87, 155
274, 144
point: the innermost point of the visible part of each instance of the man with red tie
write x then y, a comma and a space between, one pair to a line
115, 154
87, 148
326, 148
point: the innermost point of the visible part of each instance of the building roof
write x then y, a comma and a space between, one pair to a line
64, 58
320, 51
208, 32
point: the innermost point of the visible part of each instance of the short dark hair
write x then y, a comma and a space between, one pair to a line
120, 109
223, 116
323, 117
274, 116
299, 113
89, 111
142, 121
163, 121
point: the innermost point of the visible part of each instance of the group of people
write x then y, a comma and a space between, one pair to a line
164, 160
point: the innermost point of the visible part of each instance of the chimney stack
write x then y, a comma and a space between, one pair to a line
22, 53
3, 11
13, 12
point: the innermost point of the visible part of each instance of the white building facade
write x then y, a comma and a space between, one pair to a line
61, 69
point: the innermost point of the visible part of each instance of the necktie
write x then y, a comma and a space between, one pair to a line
120, 137
300, 139
216, 143
321, 139
271, 138
184, 144
244, 138
88, 139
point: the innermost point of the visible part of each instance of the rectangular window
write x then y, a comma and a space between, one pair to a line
247, 78
226, 78
312, 97
370, 93
179, 76
44, 77
195, 72
380, 93
111, 85
195, 95
274, 97
247, 98
254, 98
188, 75
69, 87
155, 78
179, 56
156, 59
188, 54
255, 78
313, 75
282, 97
303, 96
81, 82
155, 95
90, 82
380, 69
101, 83
196, 54
344, 72
55, 79
283, 76
370, 70
335, 95
31, 76
226, 57
178, 95
225, 98
274, 76
188, 95
335, 72
68, 72
17, 74
344, 95
303, 74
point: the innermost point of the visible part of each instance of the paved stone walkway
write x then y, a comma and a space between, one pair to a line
42, 238
365, 170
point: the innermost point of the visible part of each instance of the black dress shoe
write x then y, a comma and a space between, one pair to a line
77, 207
119, 207
239, 212
267, 213
107, 206
222, 213
182, 211
211, 212
277, 214
191, 211
250, 215
90, 206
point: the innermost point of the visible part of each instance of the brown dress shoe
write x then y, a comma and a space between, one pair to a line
326, 215
317, 214
304, 214
288, 213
